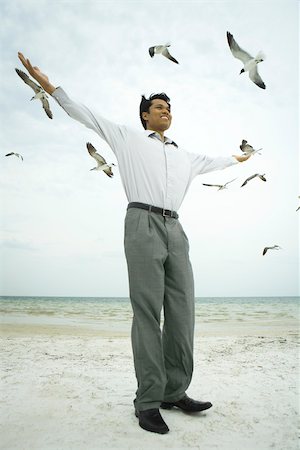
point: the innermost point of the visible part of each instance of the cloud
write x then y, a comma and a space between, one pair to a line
15, 244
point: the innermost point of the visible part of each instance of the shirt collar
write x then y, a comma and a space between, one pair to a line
154, 134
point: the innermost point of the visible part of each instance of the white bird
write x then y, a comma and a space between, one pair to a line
262, 177
220, 186
250, 63
163, 50
40, 94
101, 163
274, 247
16, 154
247, 149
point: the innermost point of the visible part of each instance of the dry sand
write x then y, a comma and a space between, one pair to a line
71, 389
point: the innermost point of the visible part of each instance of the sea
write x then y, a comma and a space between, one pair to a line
113, 315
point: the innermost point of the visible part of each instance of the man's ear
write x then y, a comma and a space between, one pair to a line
144, 115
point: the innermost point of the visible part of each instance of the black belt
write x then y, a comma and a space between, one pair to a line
155, 209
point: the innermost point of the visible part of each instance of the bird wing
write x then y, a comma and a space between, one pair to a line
245, 146
166, 53
214, 185
92, 151
265, 250
28, 81
46, 107
16, 154
236, 50
249, 178
256, 151
255, 77
151, 51
108, 172
229, 182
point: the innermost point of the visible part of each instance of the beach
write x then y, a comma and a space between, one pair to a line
71, 386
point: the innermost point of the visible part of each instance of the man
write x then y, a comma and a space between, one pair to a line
156, 175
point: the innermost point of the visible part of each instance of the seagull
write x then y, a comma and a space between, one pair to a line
262, 177
40, 94
102, 164
298, 206
16, 154
247, 149
220, 186
275, 247
250, 63
163, 50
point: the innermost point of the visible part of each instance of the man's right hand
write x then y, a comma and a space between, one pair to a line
37, 74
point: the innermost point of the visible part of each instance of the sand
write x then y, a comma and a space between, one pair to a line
66, 388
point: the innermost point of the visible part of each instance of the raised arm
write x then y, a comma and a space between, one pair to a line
35, 72
111, 132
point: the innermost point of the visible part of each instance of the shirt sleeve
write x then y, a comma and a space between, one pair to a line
204, 164
112, 133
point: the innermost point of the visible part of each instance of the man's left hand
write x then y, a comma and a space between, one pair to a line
241, 158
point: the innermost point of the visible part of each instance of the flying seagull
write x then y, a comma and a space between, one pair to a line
39, 92
250, 63
101, 163
274, 247
163, 50
298, 206
247, 149
220, 186
262, 177
16, 154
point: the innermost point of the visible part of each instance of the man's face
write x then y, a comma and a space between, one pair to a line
159, 117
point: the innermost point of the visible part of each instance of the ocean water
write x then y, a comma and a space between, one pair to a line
115, 314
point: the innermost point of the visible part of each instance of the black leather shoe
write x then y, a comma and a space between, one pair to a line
187, 404
151, 420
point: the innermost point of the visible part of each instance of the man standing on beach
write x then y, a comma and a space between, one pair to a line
156, 175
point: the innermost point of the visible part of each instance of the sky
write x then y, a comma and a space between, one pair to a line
62, 225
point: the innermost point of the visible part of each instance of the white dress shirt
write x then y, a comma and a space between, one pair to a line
152, 171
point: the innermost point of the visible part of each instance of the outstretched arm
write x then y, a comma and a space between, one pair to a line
204, 163
37, 74
112, 133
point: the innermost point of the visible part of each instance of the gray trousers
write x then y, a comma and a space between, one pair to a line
160, 276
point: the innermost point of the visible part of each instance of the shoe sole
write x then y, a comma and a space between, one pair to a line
154, 431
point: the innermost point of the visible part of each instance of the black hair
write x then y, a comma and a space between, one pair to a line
146, 103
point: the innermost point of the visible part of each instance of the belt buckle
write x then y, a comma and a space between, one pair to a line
166, 215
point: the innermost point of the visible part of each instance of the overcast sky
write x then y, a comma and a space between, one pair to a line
62, 225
